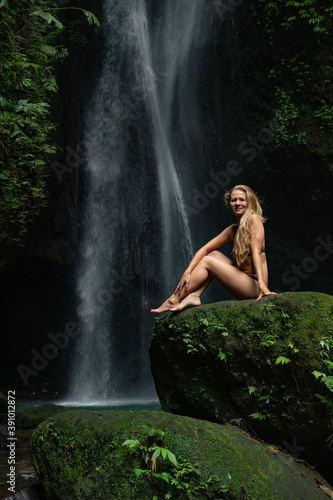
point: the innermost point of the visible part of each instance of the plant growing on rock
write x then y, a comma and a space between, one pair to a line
182, 478
326, 346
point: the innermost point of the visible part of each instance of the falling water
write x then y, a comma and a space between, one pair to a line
143, 138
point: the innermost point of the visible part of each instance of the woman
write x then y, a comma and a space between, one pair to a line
247, 278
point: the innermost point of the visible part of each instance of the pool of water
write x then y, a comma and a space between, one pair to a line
124, 405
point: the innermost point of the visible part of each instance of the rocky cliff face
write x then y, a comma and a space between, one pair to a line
267, 363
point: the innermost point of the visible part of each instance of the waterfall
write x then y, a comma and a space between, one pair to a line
143, 136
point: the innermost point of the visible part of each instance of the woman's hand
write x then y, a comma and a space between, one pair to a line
263, 291
184, 283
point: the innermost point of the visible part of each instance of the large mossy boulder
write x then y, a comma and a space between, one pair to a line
256, 361
80, 455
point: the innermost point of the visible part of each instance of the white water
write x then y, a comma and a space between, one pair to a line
142, 132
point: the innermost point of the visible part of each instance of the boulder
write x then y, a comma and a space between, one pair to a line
81, 455
256, 361
31, 417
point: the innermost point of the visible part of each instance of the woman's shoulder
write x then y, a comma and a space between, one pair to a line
256, 218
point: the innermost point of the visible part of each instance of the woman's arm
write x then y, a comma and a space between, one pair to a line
226, 235
256, 242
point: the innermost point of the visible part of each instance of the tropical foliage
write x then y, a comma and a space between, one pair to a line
28, 51
296, 66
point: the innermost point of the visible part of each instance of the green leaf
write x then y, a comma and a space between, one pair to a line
160, 432
323, 399
164, 475
91, 18
49, 50
318, 374
131, 443
47, 16
282, 359
252, 389
156, 453
257, 415
172, 457
328, 381
222, 356
329, 364
149, 429
138, 472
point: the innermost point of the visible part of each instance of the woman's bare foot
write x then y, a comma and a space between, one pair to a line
189, 301
172, 301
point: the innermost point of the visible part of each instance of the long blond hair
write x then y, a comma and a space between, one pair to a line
243, 234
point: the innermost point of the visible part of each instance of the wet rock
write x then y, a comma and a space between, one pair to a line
254, 361
81, 455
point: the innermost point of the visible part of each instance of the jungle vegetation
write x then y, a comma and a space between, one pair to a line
29, 50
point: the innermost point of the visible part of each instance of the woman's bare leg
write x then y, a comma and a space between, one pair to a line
192, 297
193, 294
172, 301
231, 278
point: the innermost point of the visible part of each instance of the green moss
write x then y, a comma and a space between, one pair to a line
250, 358
32, 417
80, 455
